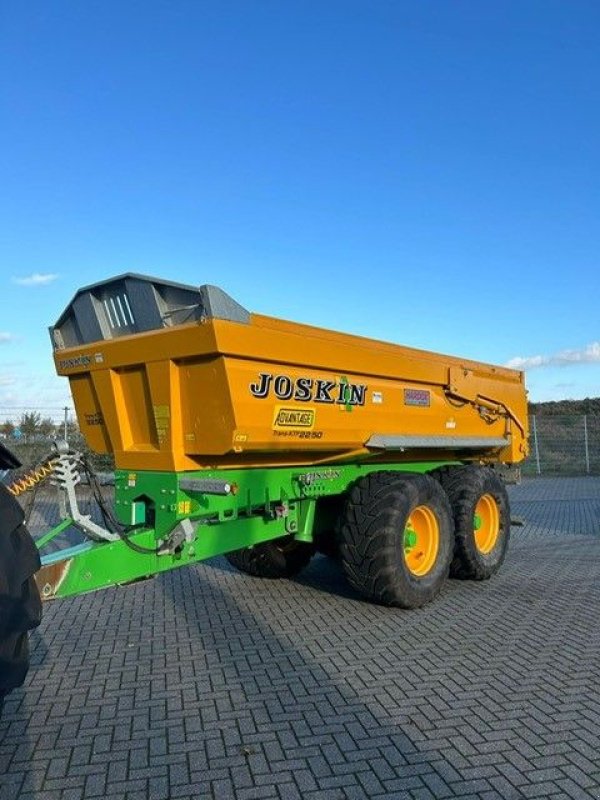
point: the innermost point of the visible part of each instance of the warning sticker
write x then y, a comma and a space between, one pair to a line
417, 397
161, 420
293, 418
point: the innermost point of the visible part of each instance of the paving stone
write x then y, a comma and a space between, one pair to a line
204, 682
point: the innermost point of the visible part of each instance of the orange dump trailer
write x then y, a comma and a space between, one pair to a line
268, 440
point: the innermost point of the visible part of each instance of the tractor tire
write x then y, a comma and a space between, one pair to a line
481, 512
20, 604
396, 538
280, 558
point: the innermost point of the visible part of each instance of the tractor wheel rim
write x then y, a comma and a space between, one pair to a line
486, 523
421, 540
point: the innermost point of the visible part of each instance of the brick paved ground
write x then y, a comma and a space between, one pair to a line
206, 683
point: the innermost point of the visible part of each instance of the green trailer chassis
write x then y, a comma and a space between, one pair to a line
183, 518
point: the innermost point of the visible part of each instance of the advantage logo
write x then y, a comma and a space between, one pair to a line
294, 417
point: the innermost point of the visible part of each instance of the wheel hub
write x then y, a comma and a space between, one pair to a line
486, 523
421, 540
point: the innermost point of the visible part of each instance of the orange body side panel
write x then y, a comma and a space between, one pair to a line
218, 393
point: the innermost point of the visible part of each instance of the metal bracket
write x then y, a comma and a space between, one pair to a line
66, 476
462, 386
181, 534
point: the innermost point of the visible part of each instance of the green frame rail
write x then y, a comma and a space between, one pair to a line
193, 516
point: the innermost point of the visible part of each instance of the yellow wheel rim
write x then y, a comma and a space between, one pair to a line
421, 540
486, 523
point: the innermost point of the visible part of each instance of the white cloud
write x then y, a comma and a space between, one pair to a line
5, 337
586, 355
527, 362
36, 279
45, 393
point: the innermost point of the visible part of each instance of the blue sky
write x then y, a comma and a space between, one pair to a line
421, 172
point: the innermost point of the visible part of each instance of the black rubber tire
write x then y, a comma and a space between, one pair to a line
20, 604
372, 538
464, 486
280, 558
